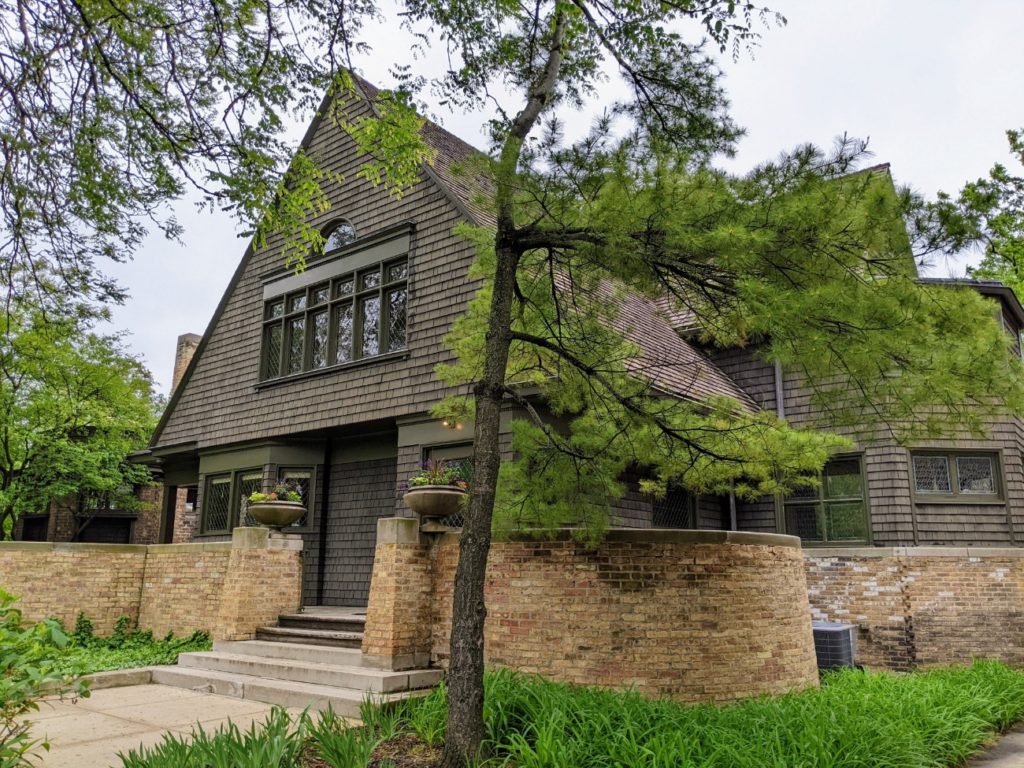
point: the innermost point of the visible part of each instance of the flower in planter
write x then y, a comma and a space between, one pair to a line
440, 472
283, 491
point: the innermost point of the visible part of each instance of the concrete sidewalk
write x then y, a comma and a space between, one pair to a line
90, 732
1008, 753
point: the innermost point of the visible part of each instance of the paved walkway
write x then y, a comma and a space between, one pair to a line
90, 732
1008, 753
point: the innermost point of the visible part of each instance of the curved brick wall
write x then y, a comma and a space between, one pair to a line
692, 615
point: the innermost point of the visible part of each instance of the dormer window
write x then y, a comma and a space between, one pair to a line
338, 234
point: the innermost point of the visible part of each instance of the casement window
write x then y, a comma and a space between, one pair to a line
303, 480
224, 499
834, 512
956, 476
353, 316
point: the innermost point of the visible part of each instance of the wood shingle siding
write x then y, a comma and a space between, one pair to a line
219, 404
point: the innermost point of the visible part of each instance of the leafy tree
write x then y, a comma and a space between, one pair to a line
990, 210
73, 405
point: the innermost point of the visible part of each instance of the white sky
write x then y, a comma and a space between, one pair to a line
934, 84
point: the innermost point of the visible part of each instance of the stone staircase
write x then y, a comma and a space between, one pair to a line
311, 659
333, 628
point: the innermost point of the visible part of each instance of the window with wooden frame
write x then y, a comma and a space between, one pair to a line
956, 476
350, 317
304, 480
225, 496
835, 511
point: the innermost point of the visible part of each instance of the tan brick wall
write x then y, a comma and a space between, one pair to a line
400, 608
103, 580
227, 588
697, 616
923, 606
263, 580
182, 587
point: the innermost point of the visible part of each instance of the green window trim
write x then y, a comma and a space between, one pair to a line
223, 502
956, 477
355, 316
836, 511
307, 476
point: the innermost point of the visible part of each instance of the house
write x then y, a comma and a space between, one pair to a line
325, 378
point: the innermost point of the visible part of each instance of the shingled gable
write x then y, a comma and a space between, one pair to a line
671, 364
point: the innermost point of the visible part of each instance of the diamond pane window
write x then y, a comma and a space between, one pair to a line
321, 294
248, 483
369, 322
396, 320
345, 317
272, 347
398, 271
343, 333
931, 474
296, 343
302, 480
217, 504
957, 477
370, 279
976, 474
802, 521
318, 341
833, 511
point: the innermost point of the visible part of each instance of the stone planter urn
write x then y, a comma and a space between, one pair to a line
434, 501
276, 514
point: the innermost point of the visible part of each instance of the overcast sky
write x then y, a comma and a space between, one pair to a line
934, 84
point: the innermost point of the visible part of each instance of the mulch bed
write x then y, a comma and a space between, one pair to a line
406, 751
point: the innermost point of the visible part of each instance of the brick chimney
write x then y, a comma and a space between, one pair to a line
187, 344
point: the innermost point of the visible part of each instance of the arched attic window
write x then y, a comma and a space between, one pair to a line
337, 234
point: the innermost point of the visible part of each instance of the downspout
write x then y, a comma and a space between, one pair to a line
780, 411
733, 522
325, 500
780, 394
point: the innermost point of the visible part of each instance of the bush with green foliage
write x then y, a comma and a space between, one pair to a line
127, 647
933, 719
27, 672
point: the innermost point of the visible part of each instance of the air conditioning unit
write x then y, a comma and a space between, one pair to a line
835, 644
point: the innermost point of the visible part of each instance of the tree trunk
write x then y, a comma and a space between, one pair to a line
466, 665
464, 740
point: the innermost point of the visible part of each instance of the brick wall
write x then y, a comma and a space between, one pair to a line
923, 606
226, 588
103, 580
696, 616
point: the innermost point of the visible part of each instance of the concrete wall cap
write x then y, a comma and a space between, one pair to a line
398, 530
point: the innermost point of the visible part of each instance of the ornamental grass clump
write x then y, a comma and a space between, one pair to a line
933, 719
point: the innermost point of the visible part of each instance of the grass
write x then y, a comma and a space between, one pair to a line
934, 719
126, 648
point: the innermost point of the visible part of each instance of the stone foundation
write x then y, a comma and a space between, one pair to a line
225, 588
691, 615
923, 606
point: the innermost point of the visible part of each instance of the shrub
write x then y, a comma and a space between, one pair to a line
27, 671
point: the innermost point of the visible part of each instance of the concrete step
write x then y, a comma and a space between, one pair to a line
316, 673
330, 622
323, 654
331, 638
344, 701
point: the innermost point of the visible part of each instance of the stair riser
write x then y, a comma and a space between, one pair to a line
296, 673
270, 649
326, 642
328, 625
254, 691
